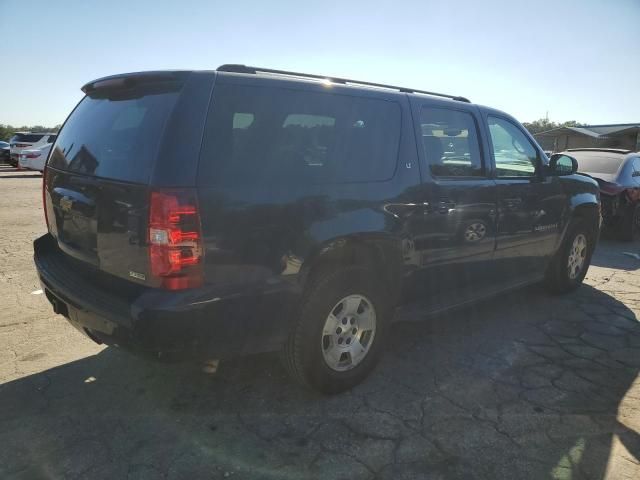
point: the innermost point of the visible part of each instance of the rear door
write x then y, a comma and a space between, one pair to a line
458, 234
530, 206
98, 174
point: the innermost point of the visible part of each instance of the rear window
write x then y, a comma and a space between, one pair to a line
271, 135
114, 137
596, 162
27, 137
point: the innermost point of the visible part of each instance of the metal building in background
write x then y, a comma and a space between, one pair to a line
625, 136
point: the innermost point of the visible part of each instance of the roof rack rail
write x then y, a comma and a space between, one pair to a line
234, 68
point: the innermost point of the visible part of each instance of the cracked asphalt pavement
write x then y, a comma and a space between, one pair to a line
534, 386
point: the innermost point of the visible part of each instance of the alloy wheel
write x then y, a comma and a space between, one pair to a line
474, 232
577, 256
348, 332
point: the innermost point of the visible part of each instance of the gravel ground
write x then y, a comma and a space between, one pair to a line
535, 387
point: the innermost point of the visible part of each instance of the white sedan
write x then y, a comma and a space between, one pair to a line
35, 158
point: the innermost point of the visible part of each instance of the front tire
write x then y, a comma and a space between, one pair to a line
340, 332
570, 264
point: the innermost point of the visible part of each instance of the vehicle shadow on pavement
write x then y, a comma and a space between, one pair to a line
534, 386
20, 176
7, 171
25, 175
618, 255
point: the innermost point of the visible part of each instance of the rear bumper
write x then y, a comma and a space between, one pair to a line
36, 165
201, 323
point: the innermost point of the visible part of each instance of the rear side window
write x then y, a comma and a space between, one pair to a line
450, 142
52, 138
272, 135
116, 136
26, 137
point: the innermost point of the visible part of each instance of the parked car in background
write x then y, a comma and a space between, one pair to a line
23, 140
5, 152
618, 175
34, 158
217, 214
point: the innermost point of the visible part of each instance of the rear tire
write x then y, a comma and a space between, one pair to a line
570, 264
312, 354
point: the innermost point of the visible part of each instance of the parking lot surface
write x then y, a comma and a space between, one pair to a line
534, 386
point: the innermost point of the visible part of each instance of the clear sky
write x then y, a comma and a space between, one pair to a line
578, 60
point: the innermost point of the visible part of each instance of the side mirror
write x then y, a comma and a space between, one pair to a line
561, 164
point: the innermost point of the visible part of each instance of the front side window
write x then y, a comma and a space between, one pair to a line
272, 135
514, 154
450, 143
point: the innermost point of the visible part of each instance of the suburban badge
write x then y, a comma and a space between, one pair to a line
139, 276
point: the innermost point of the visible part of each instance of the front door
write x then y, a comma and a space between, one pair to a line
530, 204
457, 237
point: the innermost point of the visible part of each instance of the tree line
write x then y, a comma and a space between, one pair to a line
544, 124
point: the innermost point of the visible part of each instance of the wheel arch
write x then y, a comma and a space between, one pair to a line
585, 209
382, 253
589, 212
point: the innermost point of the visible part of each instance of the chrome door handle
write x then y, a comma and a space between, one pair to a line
446, 207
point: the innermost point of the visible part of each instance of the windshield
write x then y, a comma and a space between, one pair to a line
598, 162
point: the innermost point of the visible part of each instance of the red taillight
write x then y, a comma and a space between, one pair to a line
44, 197
32, 155
175, 239
22, 145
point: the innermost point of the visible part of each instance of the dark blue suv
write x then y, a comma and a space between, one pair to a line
212, 214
